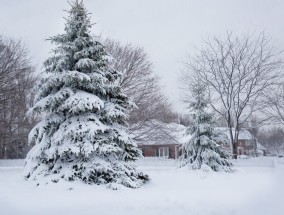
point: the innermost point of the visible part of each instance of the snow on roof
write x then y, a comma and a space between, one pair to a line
243, 134
174, 133
163, 133
178, 131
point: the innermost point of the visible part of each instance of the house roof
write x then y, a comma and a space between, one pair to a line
174, 133
166, 134
243, 134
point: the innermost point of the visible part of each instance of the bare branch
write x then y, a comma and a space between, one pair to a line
238, 71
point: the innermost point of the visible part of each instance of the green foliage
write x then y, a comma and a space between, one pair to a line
83, 135
203, 149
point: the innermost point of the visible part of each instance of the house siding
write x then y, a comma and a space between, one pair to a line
153, 150
245, 147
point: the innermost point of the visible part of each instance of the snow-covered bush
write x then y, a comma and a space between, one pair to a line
202, 150
83, 135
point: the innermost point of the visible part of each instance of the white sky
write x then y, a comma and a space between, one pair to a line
169, 30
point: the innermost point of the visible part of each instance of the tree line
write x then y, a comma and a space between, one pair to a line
243, 76
147, 121
16, 80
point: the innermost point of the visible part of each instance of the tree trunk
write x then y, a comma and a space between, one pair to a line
235, 150
255, 146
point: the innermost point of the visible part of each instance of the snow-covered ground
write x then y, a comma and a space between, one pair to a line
251, 190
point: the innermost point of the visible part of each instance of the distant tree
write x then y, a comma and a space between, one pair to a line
273, 139
203, 150
274, 103
16, 81
83, 135
185, 119
147, 122
236, 71
253, 125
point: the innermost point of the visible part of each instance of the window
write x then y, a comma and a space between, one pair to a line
164, 152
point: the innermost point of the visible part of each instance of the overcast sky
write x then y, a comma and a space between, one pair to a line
169, 30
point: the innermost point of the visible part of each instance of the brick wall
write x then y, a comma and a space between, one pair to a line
153, 150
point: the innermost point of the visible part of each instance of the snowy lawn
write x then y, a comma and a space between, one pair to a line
251, 190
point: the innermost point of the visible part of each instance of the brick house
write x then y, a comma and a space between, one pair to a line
246, 143
170, 149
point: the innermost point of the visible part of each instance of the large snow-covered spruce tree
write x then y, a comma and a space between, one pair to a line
202, 150
83, 135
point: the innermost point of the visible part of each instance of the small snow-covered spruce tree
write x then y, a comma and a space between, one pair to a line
83, 135
202, 150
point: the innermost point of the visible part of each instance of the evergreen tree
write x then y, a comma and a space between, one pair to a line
203, 150
84, 133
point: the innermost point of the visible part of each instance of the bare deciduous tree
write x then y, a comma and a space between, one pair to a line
237, 71
16, 81
273, 139
274, 103
141, 84
253, 125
